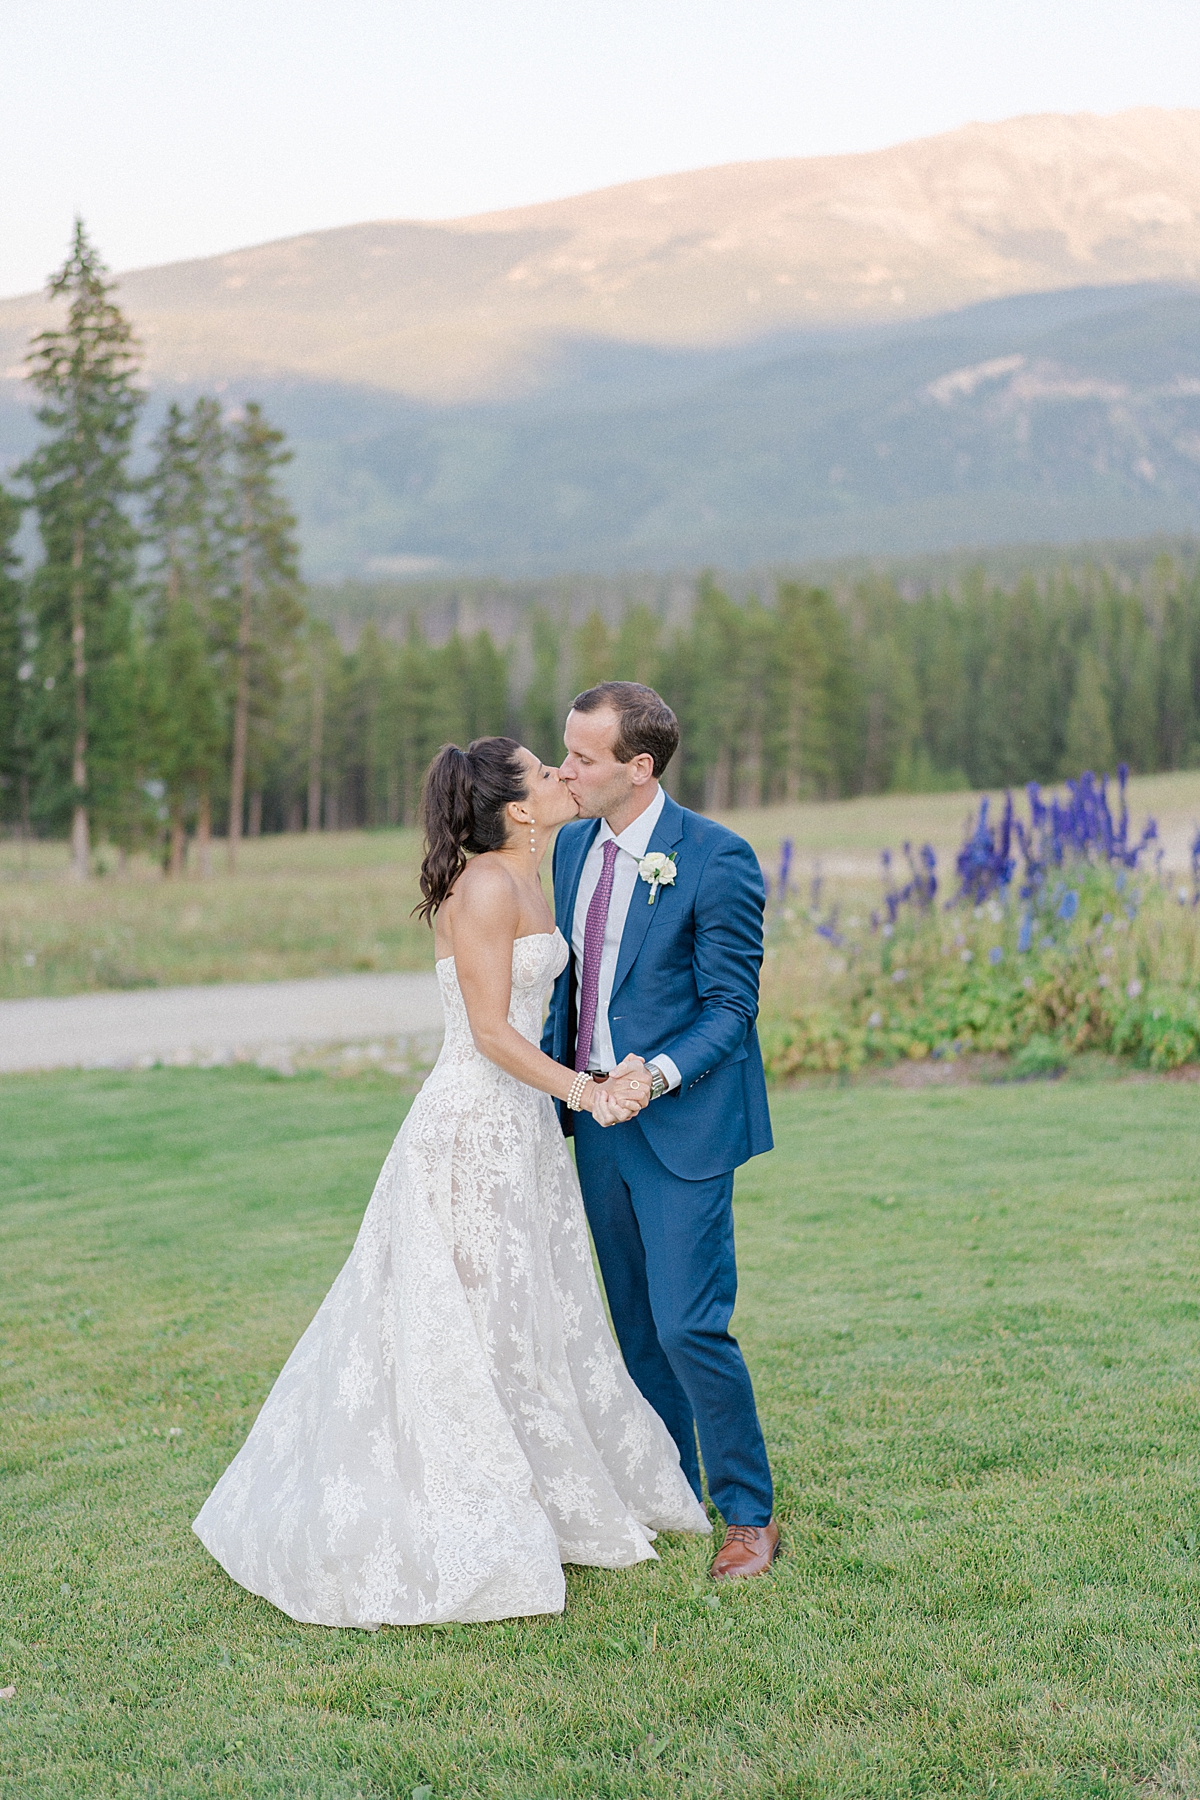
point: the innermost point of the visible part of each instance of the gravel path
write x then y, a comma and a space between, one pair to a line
262, 1021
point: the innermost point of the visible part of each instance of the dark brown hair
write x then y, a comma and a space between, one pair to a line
463, 799
646, 726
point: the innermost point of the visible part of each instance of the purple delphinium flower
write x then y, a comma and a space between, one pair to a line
785, 866
919, 890
985, 864
1081, 825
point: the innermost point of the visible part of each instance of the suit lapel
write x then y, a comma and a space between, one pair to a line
638, 919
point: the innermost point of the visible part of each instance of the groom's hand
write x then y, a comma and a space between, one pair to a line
629, 1084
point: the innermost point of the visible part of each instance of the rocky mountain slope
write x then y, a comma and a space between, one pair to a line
1037, 419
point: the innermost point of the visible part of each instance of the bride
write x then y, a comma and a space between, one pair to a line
456, 1423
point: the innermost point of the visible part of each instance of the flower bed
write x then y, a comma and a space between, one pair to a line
1063, 935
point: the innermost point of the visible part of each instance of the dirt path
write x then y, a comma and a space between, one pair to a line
209, 1025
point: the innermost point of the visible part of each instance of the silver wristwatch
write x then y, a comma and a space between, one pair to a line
658, 1081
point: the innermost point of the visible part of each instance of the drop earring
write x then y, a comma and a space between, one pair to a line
532, 841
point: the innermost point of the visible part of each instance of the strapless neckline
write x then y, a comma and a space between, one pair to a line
528, 938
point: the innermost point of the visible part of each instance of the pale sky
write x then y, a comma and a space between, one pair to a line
187, 127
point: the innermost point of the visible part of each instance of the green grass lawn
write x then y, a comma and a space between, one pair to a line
974, 1323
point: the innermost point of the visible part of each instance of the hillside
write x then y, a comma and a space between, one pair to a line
1035, 420
988, 336
474, 308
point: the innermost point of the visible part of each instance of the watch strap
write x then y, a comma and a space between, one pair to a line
658, 1081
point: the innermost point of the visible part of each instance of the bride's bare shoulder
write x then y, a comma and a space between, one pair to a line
485, 894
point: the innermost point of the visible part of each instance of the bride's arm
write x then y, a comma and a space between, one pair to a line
485, 912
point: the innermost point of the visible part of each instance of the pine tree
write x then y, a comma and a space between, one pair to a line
485, 688
892, 715
374, 717
188, 524
321, 658
269, 612
1016, 704
803, 726
711, 716
1178, 673
1089, 741
82, 593
637, 651
594, 657
542, 713
937, 642
14, 669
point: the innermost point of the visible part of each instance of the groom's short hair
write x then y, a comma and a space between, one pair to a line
646, 726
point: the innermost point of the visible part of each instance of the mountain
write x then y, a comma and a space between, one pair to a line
472, 308
983, 334
1076, 416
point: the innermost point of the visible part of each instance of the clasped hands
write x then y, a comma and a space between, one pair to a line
623, 1095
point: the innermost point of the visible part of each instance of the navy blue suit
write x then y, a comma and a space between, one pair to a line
658, 1191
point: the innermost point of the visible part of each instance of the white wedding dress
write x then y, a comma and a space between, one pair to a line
456, 1422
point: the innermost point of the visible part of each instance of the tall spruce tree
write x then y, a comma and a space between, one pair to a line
82, 593
14, 672
542, 706
322, 657
188, 526
805, 651
637, 649
269, 611
1088, 741
594, 653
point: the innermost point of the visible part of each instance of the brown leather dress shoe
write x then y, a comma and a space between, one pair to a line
747, 1550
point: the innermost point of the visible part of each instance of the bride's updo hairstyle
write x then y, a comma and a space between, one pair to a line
462, 809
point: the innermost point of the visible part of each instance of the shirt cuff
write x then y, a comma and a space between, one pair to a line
674, 1078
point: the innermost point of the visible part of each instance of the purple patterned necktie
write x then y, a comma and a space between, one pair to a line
593, 950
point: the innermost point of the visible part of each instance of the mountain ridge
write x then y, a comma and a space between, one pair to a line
487, 306
987, 336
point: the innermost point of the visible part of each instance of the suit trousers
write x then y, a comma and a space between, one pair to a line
666, 1253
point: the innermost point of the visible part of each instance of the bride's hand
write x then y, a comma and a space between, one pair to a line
606, 1109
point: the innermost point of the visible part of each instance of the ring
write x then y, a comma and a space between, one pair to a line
634, 1086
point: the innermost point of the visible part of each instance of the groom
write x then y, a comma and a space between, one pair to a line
669, 972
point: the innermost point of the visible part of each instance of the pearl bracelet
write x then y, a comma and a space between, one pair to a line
575, 1097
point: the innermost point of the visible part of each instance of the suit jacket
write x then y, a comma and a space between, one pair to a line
686, 985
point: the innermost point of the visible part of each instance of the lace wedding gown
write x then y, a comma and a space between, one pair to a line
456, 1422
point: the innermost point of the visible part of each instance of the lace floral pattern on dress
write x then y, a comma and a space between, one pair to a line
456, 1422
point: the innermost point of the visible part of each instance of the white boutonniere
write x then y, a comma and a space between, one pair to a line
659, 870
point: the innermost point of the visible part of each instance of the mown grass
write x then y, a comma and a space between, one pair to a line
326, 904
974, 1324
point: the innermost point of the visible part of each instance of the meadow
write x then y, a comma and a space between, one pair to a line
971, 1312
327, 903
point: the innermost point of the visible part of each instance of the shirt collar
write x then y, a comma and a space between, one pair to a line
637, 836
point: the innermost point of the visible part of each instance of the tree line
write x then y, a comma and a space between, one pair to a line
808, 696
144, 660
162, 682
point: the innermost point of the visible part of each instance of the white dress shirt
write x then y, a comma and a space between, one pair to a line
631, 847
